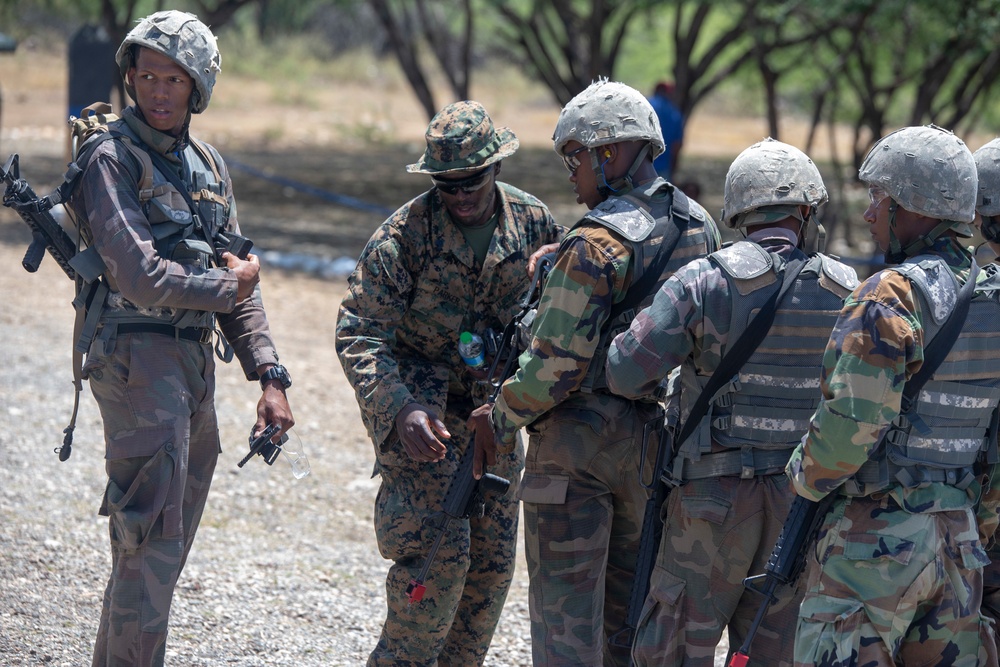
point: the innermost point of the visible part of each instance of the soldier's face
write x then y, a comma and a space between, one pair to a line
581, 174
470, 200
162, 90
877, 217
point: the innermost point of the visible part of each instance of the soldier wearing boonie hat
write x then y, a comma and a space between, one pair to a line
453, 259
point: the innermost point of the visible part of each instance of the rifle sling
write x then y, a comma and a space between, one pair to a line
740, 352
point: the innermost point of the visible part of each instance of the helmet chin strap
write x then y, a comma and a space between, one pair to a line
897, 253
624, 183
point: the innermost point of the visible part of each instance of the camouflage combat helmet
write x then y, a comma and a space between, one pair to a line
770, 181
927, 170
608, 112
988, 200
185, 40
461, 139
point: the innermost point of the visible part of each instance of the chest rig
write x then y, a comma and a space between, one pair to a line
953, 419
184, 224
762, 412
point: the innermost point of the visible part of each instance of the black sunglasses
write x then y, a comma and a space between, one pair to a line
467, 185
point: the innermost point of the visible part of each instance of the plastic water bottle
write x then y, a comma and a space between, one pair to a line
472, 350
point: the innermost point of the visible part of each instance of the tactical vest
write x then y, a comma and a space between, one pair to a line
670, 225
956, 413
179, 234
762, 413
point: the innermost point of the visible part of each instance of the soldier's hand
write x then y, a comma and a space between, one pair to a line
247, 273
537, 255
486, 446
419, 430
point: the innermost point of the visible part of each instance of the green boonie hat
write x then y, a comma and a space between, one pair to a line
461, 138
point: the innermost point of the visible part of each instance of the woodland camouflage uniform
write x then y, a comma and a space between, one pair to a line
417, 285
731, 496
895, 576
583, 501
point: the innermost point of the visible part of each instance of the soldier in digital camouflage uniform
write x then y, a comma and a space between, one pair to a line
731, 496
988, 207
895, 576
582, 497
453, 259
155, 307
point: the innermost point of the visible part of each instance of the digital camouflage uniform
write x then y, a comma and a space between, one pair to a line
723, 519
896, 574
416, 286
156, 392
583, 501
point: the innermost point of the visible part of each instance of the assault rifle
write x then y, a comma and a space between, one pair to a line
652, 531
786, 562
46, 233
466, 495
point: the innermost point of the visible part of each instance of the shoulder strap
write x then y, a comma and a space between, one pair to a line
741, 350
680, 213
937, 349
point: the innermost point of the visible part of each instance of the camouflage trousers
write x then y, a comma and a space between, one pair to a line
583, 507
717, 532
991, 604
468, 580
886, 587
157, 400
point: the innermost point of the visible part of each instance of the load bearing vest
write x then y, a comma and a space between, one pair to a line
955, 417
762, 413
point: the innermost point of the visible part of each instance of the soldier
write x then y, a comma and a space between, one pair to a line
453, 259
896, 574
988, 209
583, 501
162, 292
988, 199
731, 497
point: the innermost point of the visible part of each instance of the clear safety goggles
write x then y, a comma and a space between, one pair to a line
876, 195
571, 161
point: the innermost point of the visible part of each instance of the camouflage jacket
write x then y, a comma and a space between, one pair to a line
121, 229
590, 275
416, 287
876, 346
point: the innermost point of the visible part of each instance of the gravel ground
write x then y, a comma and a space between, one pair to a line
283, 571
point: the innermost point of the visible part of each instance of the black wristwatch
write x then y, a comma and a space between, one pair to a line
278, 373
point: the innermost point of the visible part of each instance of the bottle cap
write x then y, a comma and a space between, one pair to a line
466, 337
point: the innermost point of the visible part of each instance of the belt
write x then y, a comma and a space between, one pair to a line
744, 463
198, 334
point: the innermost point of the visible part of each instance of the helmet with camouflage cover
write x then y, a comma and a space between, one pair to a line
927, 170
769, 181
183, 38
608, 112
988, 200
461, 138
